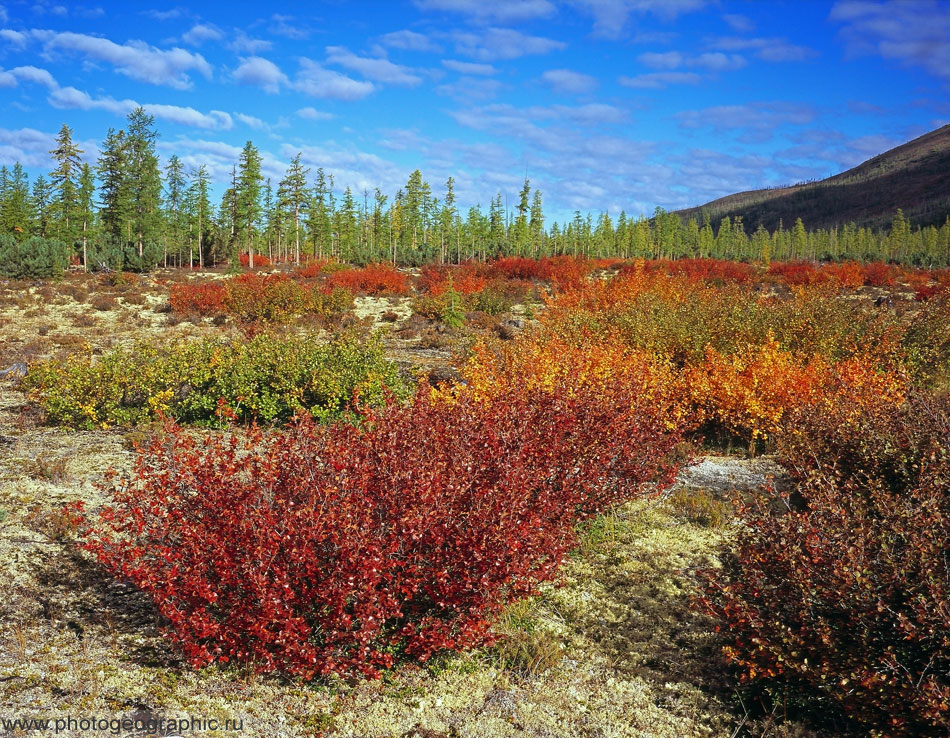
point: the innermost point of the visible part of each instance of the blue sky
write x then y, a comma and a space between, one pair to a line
604, 104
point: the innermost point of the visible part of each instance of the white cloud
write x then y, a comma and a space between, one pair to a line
317, 81
499, 11
4, 17
659, 80
409, 41
215, 120
711, 61
469, 89
250, 121
135, 59
27, 146
16, 39
738, 22
569, 82
289, 27
469, 67
260, 72
611, 16
244, 44
912, 32
311, 113
71, 98
7, 80
770, 49
502, 43
378, 69
35, 75
757, 120
200, 33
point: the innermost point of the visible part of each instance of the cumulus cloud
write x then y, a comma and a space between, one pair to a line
260, 72
311, 113
378, 69
250, 121
35, 75
201, 32
27, 146
135, 59
71, 98
16, 39
244, 44
569, 82
317, 81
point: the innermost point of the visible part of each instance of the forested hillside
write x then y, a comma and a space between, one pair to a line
914, 177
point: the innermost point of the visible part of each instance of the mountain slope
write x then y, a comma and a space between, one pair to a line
914, 177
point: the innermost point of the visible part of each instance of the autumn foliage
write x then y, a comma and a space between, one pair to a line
335, 549
843, 593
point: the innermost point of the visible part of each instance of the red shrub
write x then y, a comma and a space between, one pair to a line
467, 279
204, 298
925, 292
312, 269
519, 267
328, 549
260, 260
796, 272
373, 279
879, 274
566, 272
842, 590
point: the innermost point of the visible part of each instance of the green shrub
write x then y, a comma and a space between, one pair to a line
266, 379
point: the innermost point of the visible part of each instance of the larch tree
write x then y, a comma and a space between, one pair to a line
86, 207
296, 196
175, 204
248, 195
65, 185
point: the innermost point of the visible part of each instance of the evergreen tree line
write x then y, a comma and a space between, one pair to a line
126, 213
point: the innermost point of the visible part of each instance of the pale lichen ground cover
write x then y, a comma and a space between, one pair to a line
614, 649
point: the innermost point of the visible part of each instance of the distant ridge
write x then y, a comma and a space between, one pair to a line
914, 177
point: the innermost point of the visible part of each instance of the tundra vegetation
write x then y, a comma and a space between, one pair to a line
390, 472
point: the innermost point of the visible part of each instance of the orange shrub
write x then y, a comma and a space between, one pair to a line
260, 260
846, 274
